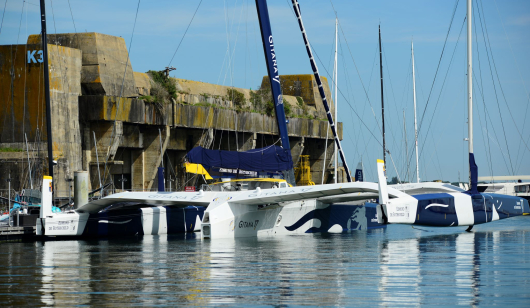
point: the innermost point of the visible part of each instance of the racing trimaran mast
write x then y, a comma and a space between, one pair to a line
296, 8
473, 169
274, 78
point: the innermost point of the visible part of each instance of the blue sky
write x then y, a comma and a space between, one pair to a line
232, 25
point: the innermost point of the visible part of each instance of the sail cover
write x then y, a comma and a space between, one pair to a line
272, 158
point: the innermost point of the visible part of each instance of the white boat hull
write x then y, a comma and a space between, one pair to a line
300, 217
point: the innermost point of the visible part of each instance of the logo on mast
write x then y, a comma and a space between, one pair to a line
273, 59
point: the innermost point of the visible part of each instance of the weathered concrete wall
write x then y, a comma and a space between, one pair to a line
23, 106
104, 108
200, 88
105, 60
142, 83
111, 108
305, 86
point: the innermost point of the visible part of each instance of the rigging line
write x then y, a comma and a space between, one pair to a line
493, 81
438, 67
228, 31
437, 158
355, 64
235, 44
3, 15
111, 139
72, 14
334, 100
404, 98
483, 102
496, 139
366, 144
251, 78
395, 107
364, 107
441, 89
25, 82
73, 22
340, 90
359, 133
213, 109
359, 74
308, 45
406, 87
62, 72
482, 133
329, 62
184, 33
497, 143
389, 154
348, 89
500, 86
232, 75
520, 76
13, 74
227, 55
346, 99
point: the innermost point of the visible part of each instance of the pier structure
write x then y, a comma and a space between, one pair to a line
115, 123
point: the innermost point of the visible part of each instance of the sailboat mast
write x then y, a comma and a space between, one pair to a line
473, 169
415, 121
296, 8
46, 70
406, 143
336, 97
382, 98
469, 79
274, 78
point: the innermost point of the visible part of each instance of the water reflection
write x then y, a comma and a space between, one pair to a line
400, 272
467, 275
64, 270
399, 266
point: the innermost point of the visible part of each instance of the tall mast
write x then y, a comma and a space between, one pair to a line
473, 169
296, 8
44, 40
415, 121
336, 97
274, 78
382, 98
469, 79
406, 143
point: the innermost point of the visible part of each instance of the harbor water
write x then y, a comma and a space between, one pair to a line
396, 266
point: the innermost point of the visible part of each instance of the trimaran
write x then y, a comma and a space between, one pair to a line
296, 210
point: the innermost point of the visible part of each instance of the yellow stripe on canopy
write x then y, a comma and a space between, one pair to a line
197, 169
